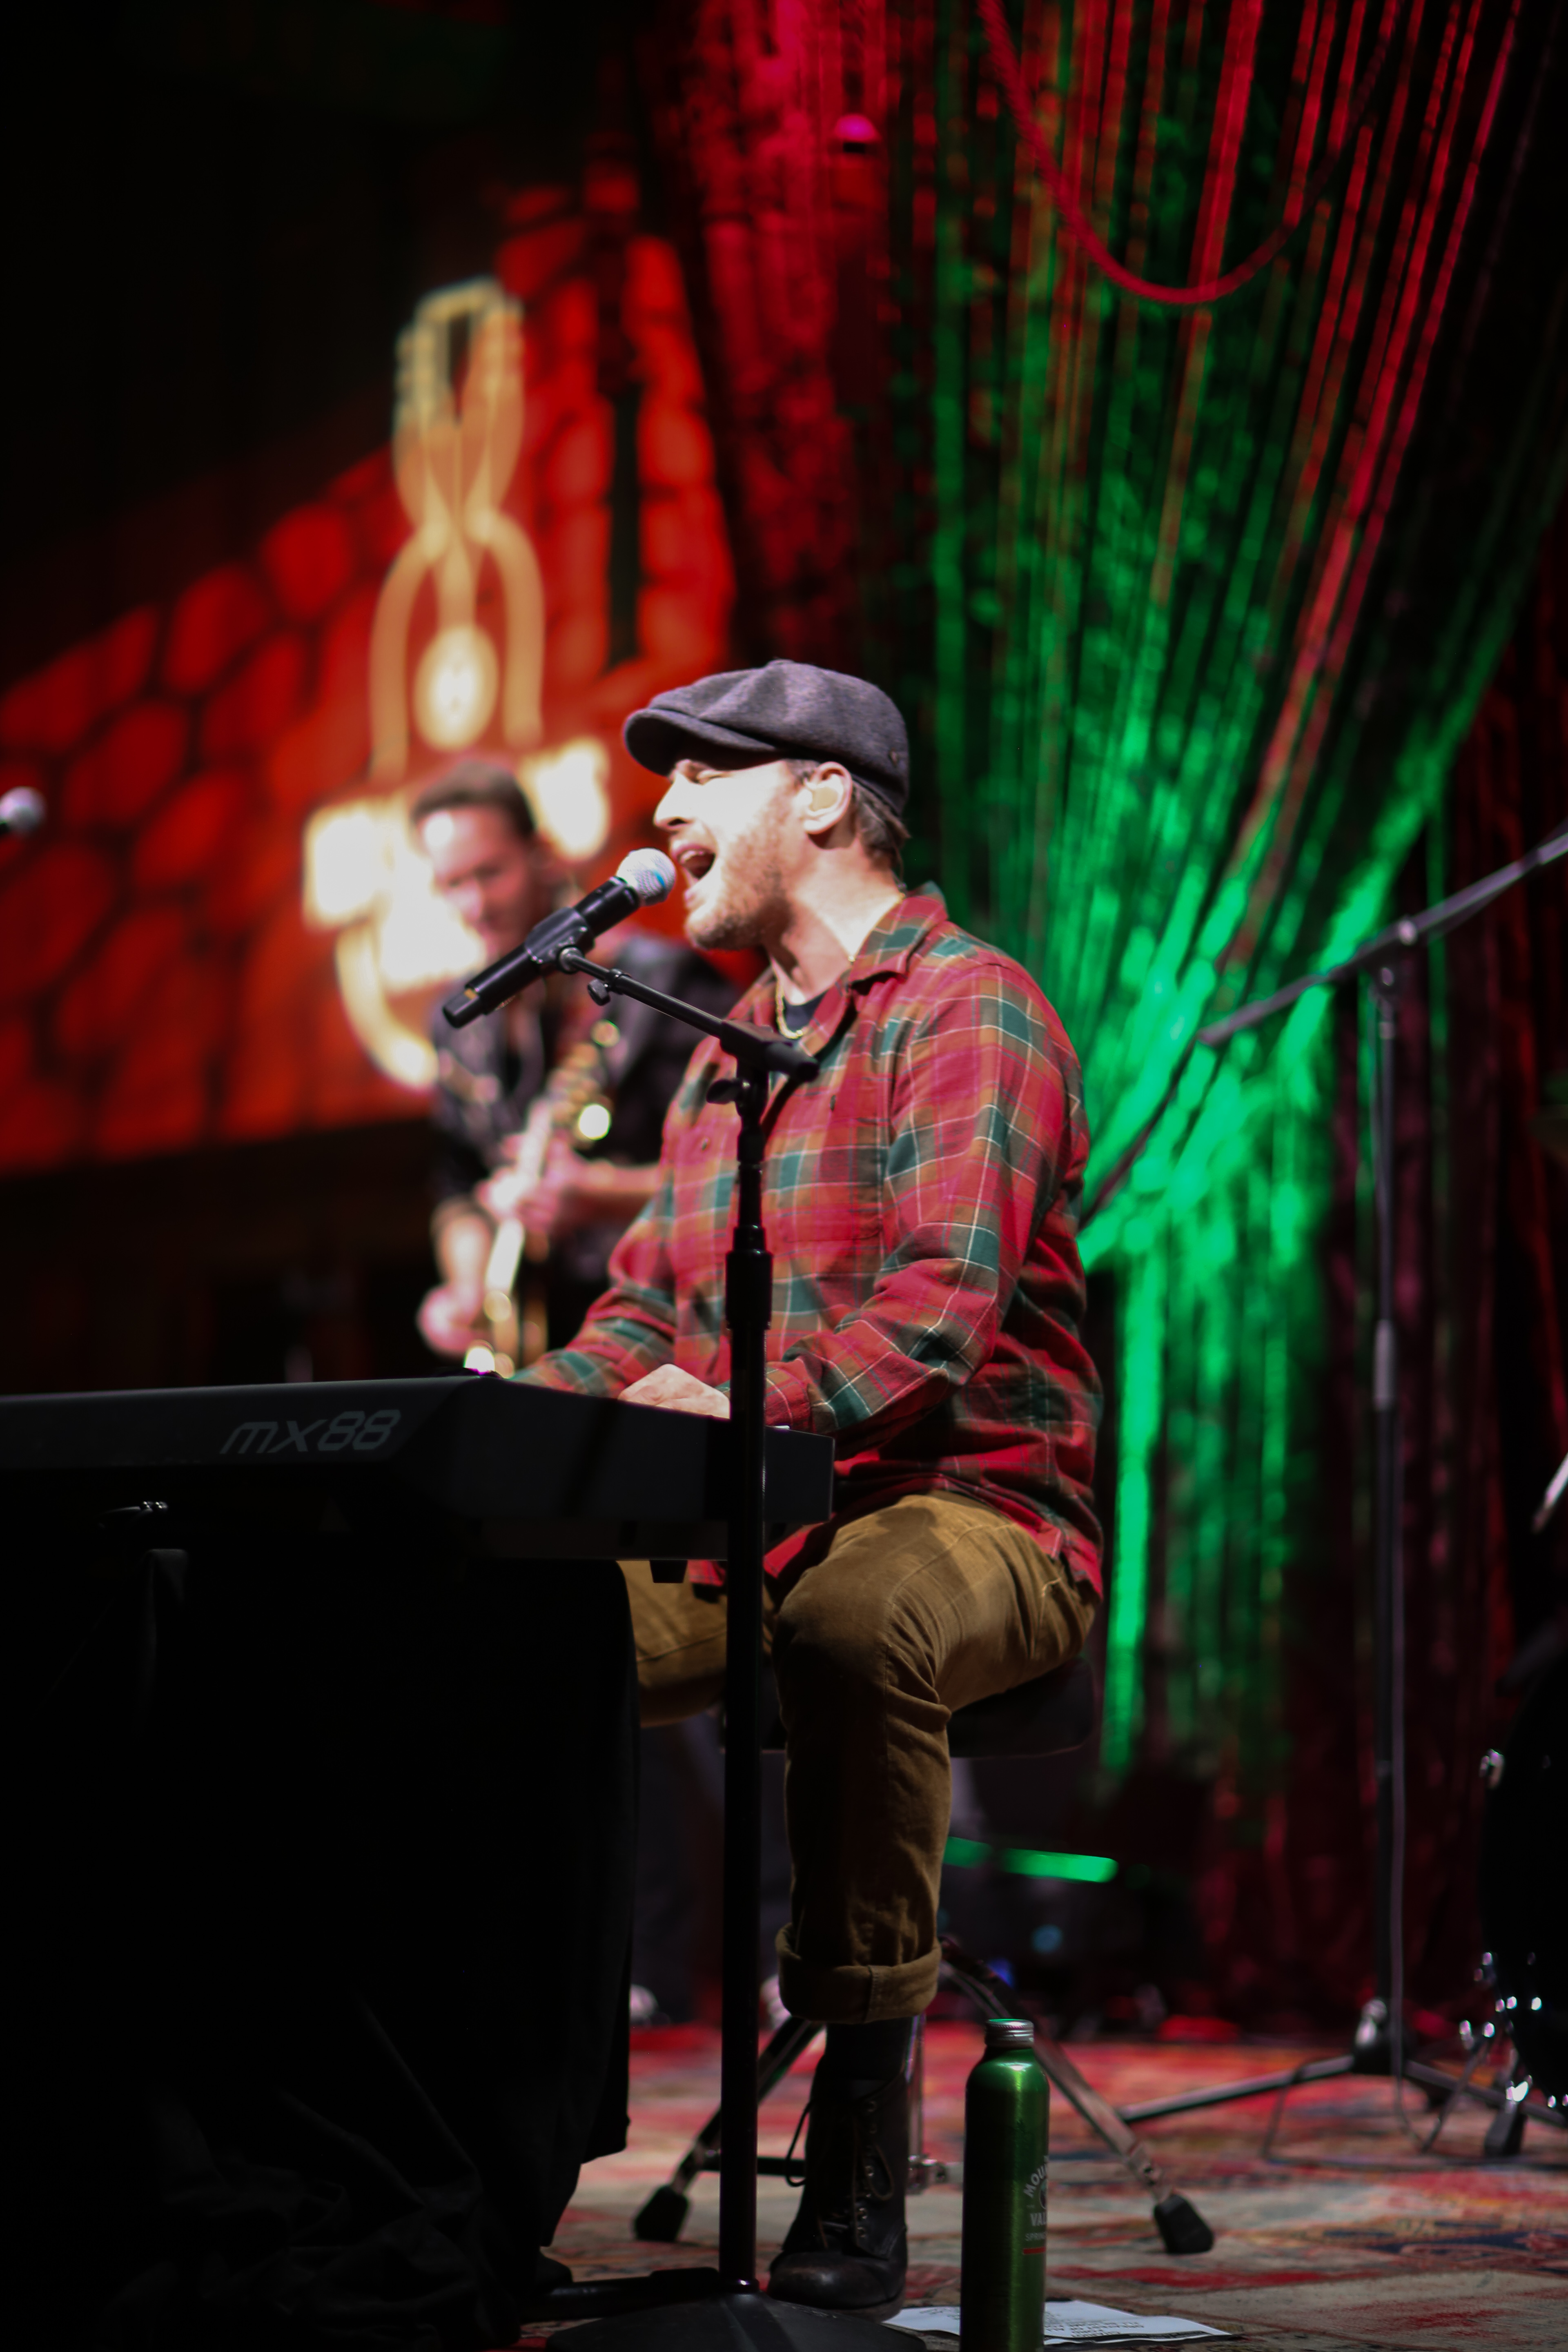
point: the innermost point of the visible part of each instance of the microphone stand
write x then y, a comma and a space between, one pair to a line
704, 2310
1380, 2044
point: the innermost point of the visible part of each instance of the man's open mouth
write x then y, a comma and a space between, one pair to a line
694, 861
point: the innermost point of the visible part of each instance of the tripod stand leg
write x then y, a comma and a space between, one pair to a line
1182, 2229
660, 2221
1505, 2132
925, 2171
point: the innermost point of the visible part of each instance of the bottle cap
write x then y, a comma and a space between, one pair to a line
1009, 2034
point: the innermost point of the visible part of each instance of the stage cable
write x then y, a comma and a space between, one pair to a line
1009, 74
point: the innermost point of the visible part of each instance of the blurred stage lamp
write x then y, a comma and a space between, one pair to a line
455, 687
366, 880
569, 791
345, 864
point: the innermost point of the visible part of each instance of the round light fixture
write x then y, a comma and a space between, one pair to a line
455, 687
569, 792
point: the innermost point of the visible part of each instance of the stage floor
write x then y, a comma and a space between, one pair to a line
1344, 2236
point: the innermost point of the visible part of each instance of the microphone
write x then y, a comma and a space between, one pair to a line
642, 879
22, 811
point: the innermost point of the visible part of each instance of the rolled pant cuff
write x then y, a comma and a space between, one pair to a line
855, 1994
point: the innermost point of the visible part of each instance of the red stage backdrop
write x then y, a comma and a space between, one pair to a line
159, 987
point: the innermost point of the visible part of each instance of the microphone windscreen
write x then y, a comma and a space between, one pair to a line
650, 873
22, 811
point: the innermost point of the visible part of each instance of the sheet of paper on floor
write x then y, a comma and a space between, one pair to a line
1070, 2323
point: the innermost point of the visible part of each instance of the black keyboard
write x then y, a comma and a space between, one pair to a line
499, 1470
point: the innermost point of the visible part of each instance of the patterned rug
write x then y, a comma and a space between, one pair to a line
1344, 2234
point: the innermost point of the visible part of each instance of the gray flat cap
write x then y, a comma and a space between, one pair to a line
743, 717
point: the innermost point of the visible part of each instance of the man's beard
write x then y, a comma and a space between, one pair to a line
753, 903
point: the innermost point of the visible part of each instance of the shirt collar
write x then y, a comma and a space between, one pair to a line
887, 950
901, 931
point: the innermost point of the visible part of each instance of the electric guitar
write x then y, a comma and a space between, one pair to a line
574, 1101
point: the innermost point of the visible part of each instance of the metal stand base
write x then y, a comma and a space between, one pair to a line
1505, 2133
1372, 2054
737, 2323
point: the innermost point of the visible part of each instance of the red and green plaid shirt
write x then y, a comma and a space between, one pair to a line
921, 1199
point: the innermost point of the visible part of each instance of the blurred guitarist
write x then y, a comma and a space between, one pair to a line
549, 1113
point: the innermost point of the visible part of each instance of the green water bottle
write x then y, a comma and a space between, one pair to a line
1006, 2140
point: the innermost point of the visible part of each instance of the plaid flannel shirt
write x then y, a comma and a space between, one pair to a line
921, 1199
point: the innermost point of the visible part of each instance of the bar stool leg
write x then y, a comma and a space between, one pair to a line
1181, 2228
660, 2221
925, 2171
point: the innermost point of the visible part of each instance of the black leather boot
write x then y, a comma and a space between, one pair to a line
845, 2250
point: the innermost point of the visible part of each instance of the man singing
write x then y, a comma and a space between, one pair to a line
920, 1206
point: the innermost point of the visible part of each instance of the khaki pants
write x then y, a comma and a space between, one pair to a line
909, 1613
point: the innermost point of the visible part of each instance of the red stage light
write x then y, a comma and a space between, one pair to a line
211, 625
104, 1005
120, 775
253, 708
49, 909
42, 1123
54, 709
308, 557
187, 839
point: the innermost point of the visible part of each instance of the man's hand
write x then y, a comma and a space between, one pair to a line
451, 1318
676, 1391
562, 1198
572, 1191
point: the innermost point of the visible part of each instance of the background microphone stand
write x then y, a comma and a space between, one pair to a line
724, 2310
1380, 2044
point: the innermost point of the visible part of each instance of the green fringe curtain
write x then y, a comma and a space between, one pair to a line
1163, 548
1190, 608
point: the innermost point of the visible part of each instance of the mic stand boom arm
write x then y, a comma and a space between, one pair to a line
752, 1048
1398, 937
1432, 923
